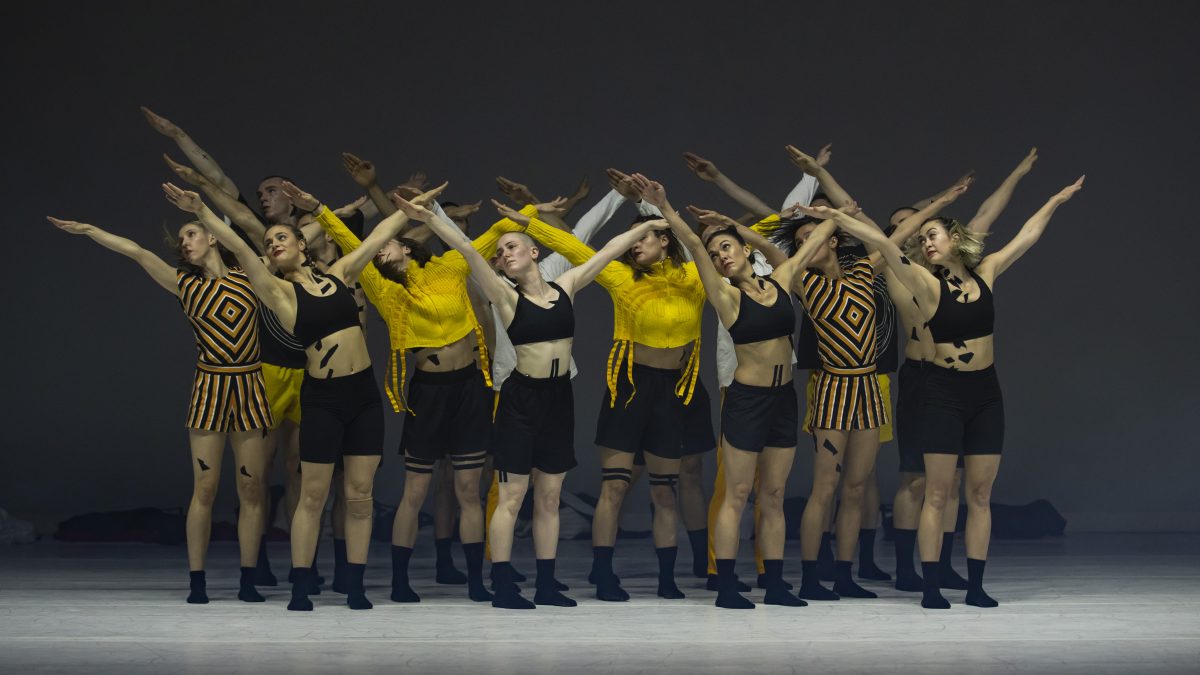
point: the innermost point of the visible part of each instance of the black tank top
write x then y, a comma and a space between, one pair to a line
279, 347
961, 321
756, 322
318, 316
532, 323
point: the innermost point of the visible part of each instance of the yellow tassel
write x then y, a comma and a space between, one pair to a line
483, 355
686, 386
629, 371
613, 370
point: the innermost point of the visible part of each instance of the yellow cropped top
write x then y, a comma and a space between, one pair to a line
431, 309
662, 308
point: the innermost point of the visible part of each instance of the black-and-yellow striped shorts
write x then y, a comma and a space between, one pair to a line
228, 398
845, 400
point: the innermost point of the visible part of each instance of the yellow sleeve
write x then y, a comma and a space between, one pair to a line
576, 252
485, 243
767, 225
373, 283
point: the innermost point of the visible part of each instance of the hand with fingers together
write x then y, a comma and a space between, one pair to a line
362, 171
805, 162
516, 192
704, 169
709, 218
623, 184
186, 173
652, 192
825, 154
462, 210
299, 198
185, 200
162, 125
512, 214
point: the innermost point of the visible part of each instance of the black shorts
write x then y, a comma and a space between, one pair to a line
962, 412
535, 425
342, 416
652, 421
698, 436
909, 398
753, 418
450, 414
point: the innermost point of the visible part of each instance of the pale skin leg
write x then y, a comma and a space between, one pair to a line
546, 490
939, 482
981, 475
404, 527
444, 501
774, 467
358, 481
207, 447
825, 480
612, 495
251, 453
870, 508
666, 514
910, 495
858, 465
338, 516
315, 481
693, 505
740, 468
465, 486
504, 520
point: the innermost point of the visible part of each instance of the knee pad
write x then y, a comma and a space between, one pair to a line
616, 473
418, 465
360, 508
468, 462
667, 479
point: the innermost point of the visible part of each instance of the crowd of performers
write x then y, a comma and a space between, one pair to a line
277, 300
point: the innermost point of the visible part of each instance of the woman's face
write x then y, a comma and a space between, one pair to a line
394, 253
936, 243
651, 248
283, 248
515, 253
728, 255
822, 254
195, 242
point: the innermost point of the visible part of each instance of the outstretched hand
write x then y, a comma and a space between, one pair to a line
828, 212
510, 213
710, 218
362, 171
1068, 192
704, 169
462, 210
74, 227
806, 163
518, 193
1026, 164
185, 200
623, 184
555, 207
825, 154
652, 192
161, 124
957, 189
429, 196
186, 173
583, 190
299, 198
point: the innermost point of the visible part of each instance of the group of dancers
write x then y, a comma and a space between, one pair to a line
277, 301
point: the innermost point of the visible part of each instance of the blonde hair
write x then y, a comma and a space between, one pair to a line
968, 247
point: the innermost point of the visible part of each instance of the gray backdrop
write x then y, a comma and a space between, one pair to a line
1096, 327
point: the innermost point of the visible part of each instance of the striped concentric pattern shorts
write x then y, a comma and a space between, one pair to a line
228, 398
846, 399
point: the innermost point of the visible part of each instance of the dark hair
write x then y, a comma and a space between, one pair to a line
898, 209
176, 245
674, 248
784, 236
727, 231
394, 271
299, 235
821, 196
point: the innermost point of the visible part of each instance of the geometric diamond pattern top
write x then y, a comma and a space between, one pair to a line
843, 313
224, 316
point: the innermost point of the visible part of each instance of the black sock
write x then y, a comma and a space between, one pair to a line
548, 592
441, 548
508, 594
608, 587
867, 569
401, 591
727, 595
447, 573
845, 586
810, 583
777, 590
356, 595
341, 583
950, 579
246, 590
906, 572
825, 558
699, 541
666, 573
602, 557
475, 588
975, 595
262, 569
301, 583
199, 591
932, 593
317, 579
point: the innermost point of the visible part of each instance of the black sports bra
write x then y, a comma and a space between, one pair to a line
319, 316
961, 321
756, 322
533, 323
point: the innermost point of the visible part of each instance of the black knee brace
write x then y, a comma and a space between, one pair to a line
667, 479
616, 473
418, 465
468, 462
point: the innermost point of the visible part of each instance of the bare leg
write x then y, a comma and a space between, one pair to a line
740, 467
251, 455
981, 475
616, 473
511, 489
939, 479
858, 466
829, 454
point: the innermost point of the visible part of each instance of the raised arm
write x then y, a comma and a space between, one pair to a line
163, 274
271, 290
915, 278
497, 291
773, 254
707, 171
581, 193
837, 194
910, 225
228, 204
995, 264
967, 177
205, 163
577, 277
991, 207
363, 173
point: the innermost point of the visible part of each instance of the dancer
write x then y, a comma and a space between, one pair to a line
228, 398
963, 410
919, 353
652, 387
533, 434
758, 416
343, 416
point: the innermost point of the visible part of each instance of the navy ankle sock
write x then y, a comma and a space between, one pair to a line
401, 590
699, 542
198, 588
932, 593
